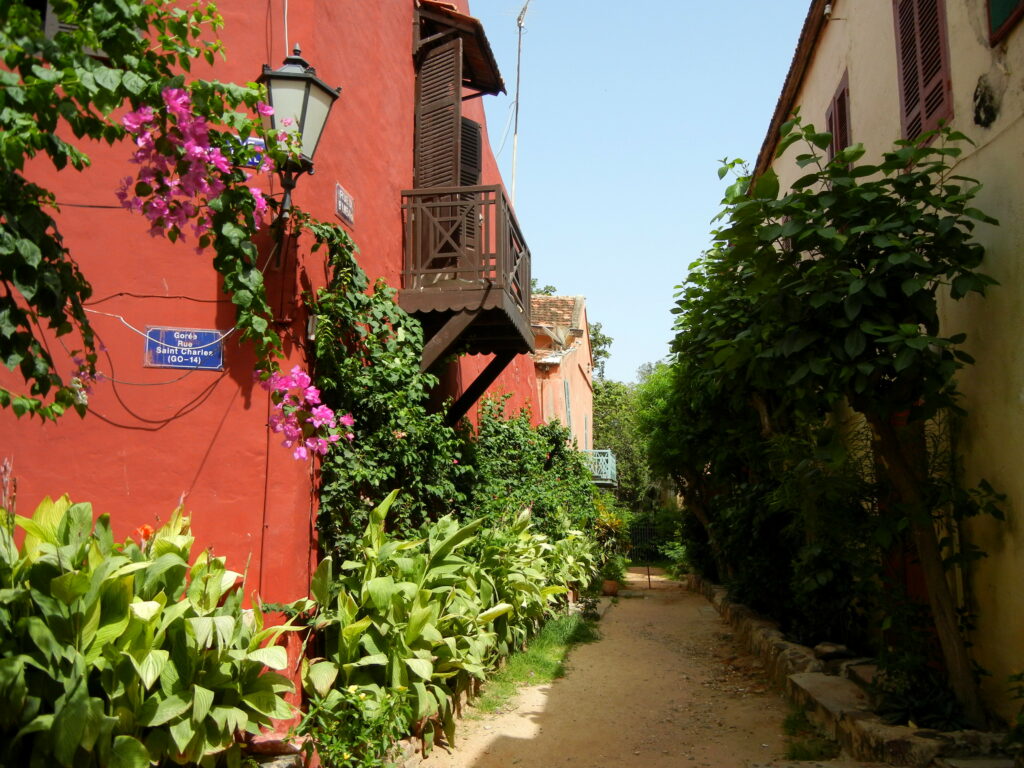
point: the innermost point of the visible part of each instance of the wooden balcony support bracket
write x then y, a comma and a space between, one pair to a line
476, 390
442, 341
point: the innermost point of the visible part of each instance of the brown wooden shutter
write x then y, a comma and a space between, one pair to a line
925, 90
439, 116
470, 153
838, 118
470, 166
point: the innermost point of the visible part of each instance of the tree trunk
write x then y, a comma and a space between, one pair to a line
696, 504
908, 485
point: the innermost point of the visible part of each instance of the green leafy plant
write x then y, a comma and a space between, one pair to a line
121, 655
804, 741
349, 727
515, 559
426, 617
518, 466
367, 362
408, 615
541, 662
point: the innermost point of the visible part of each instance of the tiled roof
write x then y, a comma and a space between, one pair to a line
565, 311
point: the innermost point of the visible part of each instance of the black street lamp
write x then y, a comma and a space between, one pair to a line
301, 102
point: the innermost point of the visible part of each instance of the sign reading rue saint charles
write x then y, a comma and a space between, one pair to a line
184, 348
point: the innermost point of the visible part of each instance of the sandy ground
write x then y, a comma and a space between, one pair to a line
665, 686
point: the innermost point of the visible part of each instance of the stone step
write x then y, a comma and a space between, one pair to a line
974, 762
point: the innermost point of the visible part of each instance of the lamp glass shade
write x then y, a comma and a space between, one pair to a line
301, 102
318, 106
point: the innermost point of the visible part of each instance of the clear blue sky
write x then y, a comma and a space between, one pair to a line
625, 110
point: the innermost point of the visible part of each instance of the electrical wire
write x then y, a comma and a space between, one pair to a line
145, 334
133, 295
59, 204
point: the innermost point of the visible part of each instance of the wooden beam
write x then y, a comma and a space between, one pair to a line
475, 390
446, 337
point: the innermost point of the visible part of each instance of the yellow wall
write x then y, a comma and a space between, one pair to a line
860, 39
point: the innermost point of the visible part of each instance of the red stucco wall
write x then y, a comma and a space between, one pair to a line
156, 435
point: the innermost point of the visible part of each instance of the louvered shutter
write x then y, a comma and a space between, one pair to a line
470, 165
925, 92
470, 153
838, 119
439, 116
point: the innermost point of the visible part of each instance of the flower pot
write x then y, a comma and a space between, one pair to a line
609, 587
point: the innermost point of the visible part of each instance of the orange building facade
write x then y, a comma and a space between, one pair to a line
565, 365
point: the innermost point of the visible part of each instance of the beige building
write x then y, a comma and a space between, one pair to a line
873, 72
564, 364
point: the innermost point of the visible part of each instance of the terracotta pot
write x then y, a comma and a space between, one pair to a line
609, 587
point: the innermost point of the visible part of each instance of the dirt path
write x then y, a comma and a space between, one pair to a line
665, 686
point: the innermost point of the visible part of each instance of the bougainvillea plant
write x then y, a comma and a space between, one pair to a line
309, 427
180, 171
57, 98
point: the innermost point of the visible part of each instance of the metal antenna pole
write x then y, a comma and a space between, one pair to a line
287, 46
515, 129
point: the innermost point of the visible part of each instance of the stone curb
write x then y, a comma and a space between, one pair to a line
838, 705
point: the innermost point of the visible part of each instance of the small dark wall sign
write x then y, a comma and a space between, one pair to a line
344, 205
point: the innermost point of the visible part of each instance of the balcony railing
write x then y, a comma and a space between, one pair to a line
602, 467
463, 240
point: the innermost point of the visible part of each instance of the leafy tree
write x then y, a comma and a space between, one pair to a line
536, 290
600, 348
615, 430
827, 294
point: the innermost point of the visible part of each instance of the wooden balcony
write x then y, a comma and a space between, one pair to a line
466, 274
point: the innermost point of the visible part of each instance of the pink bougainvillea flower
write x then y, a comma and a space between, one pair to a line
133, 121
178, 102
300, 377
349, 436
347, 420
264, 109
321, 416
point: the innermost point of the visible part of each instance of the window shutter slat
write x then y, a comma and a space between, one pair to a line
925, 93
470, 154
837, 117
439, 116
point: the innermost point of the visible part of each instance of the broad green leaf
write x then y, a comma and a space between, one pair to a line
145, 609
151, 666
355, 629
320, 584
274, 656
157, 709
269, 704
855, 343
128, 752
374, 659
381, 589
202, 700
494, 612
321, 676
421, 667
182, 733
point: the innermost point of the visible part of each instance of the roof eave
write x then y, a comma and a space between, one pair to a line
809, 36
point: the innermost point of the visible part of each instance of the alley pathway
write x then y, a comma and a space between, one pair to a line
666, 686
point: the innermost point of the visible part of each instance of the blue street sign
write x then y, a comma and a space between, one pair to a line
184, 348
